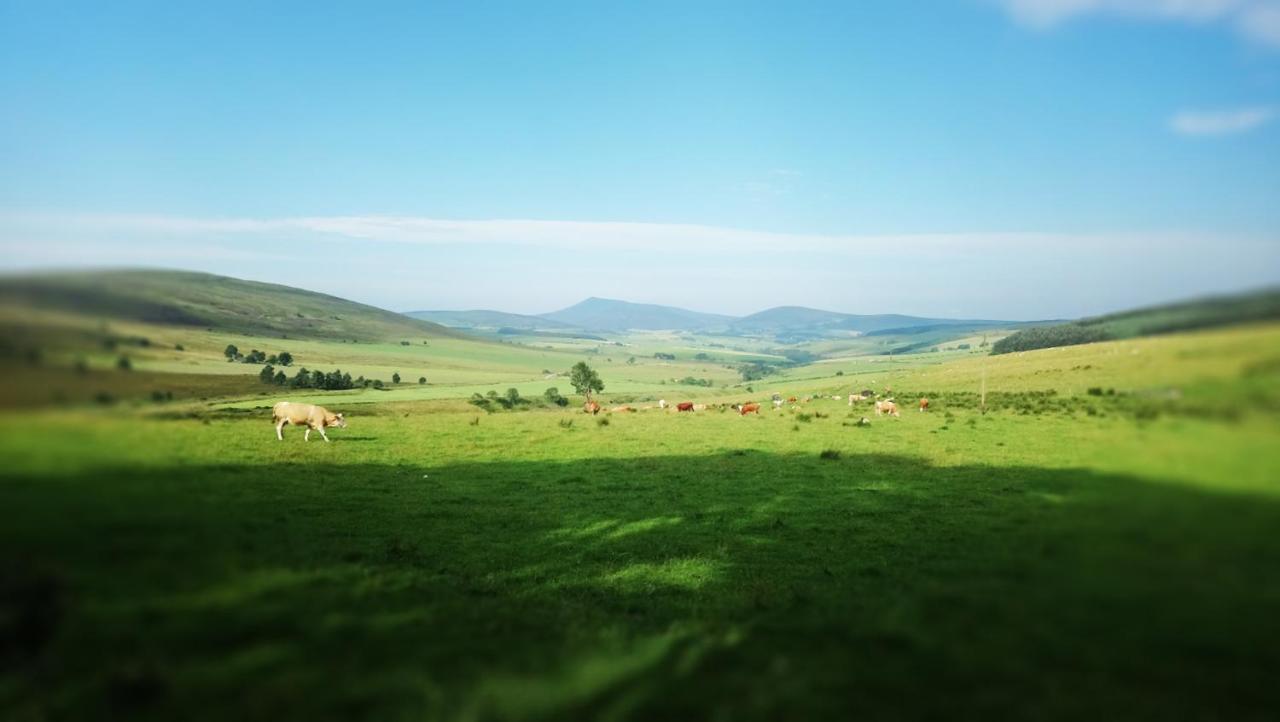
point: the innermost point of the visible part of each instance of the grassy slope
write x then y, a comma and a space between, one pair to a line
1202, 313
1053, 565
195, 300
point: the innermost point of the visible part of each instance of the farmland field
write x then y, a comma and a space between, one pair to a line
1101, 542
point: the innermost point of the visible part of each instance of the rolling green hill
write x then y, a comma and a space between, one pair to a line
1185, 316
201, 300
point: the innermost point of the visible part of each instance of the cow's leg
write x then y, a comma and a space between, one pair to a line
307, 436
280, 429
322, 434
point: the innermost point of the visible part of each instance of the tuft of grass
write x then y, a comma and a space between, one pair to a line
566, 423
829, 454
602, 421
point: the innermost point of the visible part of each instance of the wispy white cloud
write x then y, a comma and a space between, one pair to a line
528, 265
556, 234
1258, 20
1220, 122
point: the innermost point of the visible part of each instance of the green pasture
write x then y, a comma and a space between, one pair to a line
1065, 555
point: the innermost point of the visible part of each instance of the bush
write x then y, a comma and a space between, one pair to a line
178, 347
422, 380
829, 454
124, 364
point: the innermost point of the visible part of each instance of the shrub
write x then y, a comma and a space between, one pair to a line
178, 347
602, 421
829, 454
124, 364
422, 380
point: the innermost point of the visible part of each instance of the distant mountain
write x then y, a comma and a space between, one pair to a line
185, 298
1200, 313
812, 321
490, 320
602, 314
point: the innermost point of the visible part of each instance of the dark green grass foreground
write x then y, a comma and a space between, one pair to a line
736, 585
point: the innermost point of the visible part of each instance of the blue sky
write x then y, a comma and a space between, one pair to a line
994, 158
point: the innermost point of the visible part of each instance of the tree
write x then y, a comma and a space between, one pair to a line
584, 379
231, 352
124, 364
267, 375
513, 397
284, 358
422, 379
395, 377
281, 379
552, 395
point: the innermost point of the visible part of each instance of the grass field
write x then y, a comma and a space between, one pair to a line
1065, 555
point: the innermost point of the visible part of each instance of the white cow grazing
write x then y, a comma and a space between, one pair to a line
315, 418
662, 403
777, 403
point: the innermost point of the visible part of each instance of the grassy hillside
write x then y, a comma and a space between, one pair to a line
1185, 316
199, 300
609, 315
1064, 555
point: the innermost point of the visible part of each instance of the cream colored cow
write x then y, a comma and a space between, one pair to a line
887, 407
315, 418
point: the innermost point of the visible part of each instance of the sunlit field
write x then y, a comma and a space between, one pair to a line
1103, 538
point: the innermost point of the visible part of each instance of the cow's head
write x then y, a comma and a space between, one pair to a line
337, 421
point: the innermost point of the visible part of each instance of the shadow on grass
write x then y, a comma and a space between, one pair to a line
744, 585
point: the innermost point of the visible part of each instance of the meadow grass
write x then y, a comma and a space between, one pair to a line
437, 562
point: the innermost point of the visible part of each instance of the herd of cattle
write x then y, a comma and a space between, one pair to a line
886, 406
318, 418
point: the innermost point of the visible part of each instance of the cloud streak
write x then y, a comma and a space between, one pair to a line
1258, 20
1220, 122
550, 234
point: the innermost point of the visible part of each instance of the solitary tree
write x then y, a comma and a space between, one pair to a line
395, 377
584, 379
231, 352
422, 379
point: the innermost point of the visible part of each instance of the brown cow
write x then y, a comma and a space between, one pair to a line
924, 404
684, 406
591, 407
315, 418
749, 408
791, 400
